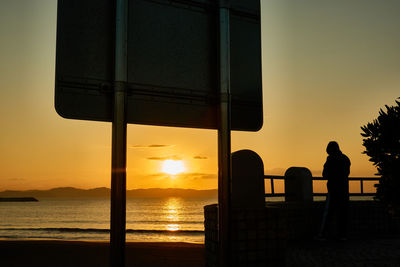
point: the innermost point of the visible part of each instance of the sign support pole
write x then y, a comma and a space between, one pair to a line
224, 138
118, 165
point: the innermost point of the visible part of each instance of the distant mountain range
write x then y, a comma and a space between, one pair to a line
71, 192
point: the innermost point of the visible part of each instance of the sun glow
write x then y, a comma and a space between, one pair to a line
173, 167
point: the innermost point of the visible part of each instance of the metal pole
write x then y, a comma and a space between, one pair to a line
224, 138
118, 168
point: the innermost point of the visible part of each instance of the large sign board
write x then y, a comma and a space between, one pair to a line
173, 67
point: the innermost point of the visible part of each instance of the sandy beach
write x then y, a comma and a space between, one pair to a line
56, 253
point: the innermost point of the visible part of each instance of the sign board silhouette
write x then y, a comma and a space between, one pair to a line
173, 68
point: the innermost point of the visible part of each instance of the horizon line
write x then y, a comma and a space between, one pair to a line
103, 187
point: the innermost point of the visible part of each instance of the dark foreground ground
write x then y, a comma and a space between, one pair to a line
383, 251
45, 253
365, 252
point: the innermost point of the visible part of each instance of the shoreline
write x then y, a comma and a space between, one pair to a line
50, 252
96, 241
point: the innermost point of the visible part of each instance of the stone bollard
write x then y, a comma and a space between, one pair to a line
248, 238
248, 242
298, 185
248, 190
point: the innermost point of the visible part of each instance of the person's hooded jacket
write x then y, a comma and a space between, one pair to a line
336, 170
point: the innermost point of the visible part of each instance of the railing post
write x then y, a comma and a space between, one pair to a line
362, 185
272, 186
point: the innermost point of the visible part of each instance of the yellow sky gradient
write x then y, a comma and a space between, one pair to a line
327, 69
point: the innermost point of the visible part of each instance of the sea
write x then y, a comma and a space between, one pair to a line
169, 219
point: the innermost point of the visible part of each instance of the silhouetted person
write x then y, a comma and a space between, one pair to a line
336, 171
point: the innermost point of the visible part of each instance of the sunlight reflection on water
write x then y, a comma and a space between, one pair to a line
173, 206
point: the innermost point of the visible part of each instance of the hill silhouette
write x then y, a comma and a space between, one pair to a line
71, 192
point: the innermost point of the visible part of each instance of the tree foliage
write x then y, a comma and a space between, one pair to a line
382, 145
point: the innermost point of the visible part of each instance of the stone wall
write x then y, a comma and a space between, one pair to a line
260, 236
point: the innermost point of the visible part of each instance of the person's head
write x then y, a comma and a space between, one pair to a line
332, 148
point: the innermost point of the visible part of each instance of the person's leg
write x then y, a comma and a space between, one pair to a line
343, 217
326, 218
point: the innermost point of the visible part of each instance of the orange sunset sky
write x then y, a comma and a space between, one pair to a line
328, 66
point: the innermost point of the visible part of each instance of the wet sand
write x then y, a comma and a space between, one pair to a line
82, 253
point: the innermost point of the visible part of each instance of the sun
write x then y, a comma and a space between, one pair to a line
173, 167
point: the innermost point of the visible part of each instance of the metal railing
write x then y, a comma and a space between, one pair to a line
361, 179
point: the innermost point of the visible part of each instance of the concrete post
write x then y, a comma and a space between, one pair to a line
248, 190
298, 185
